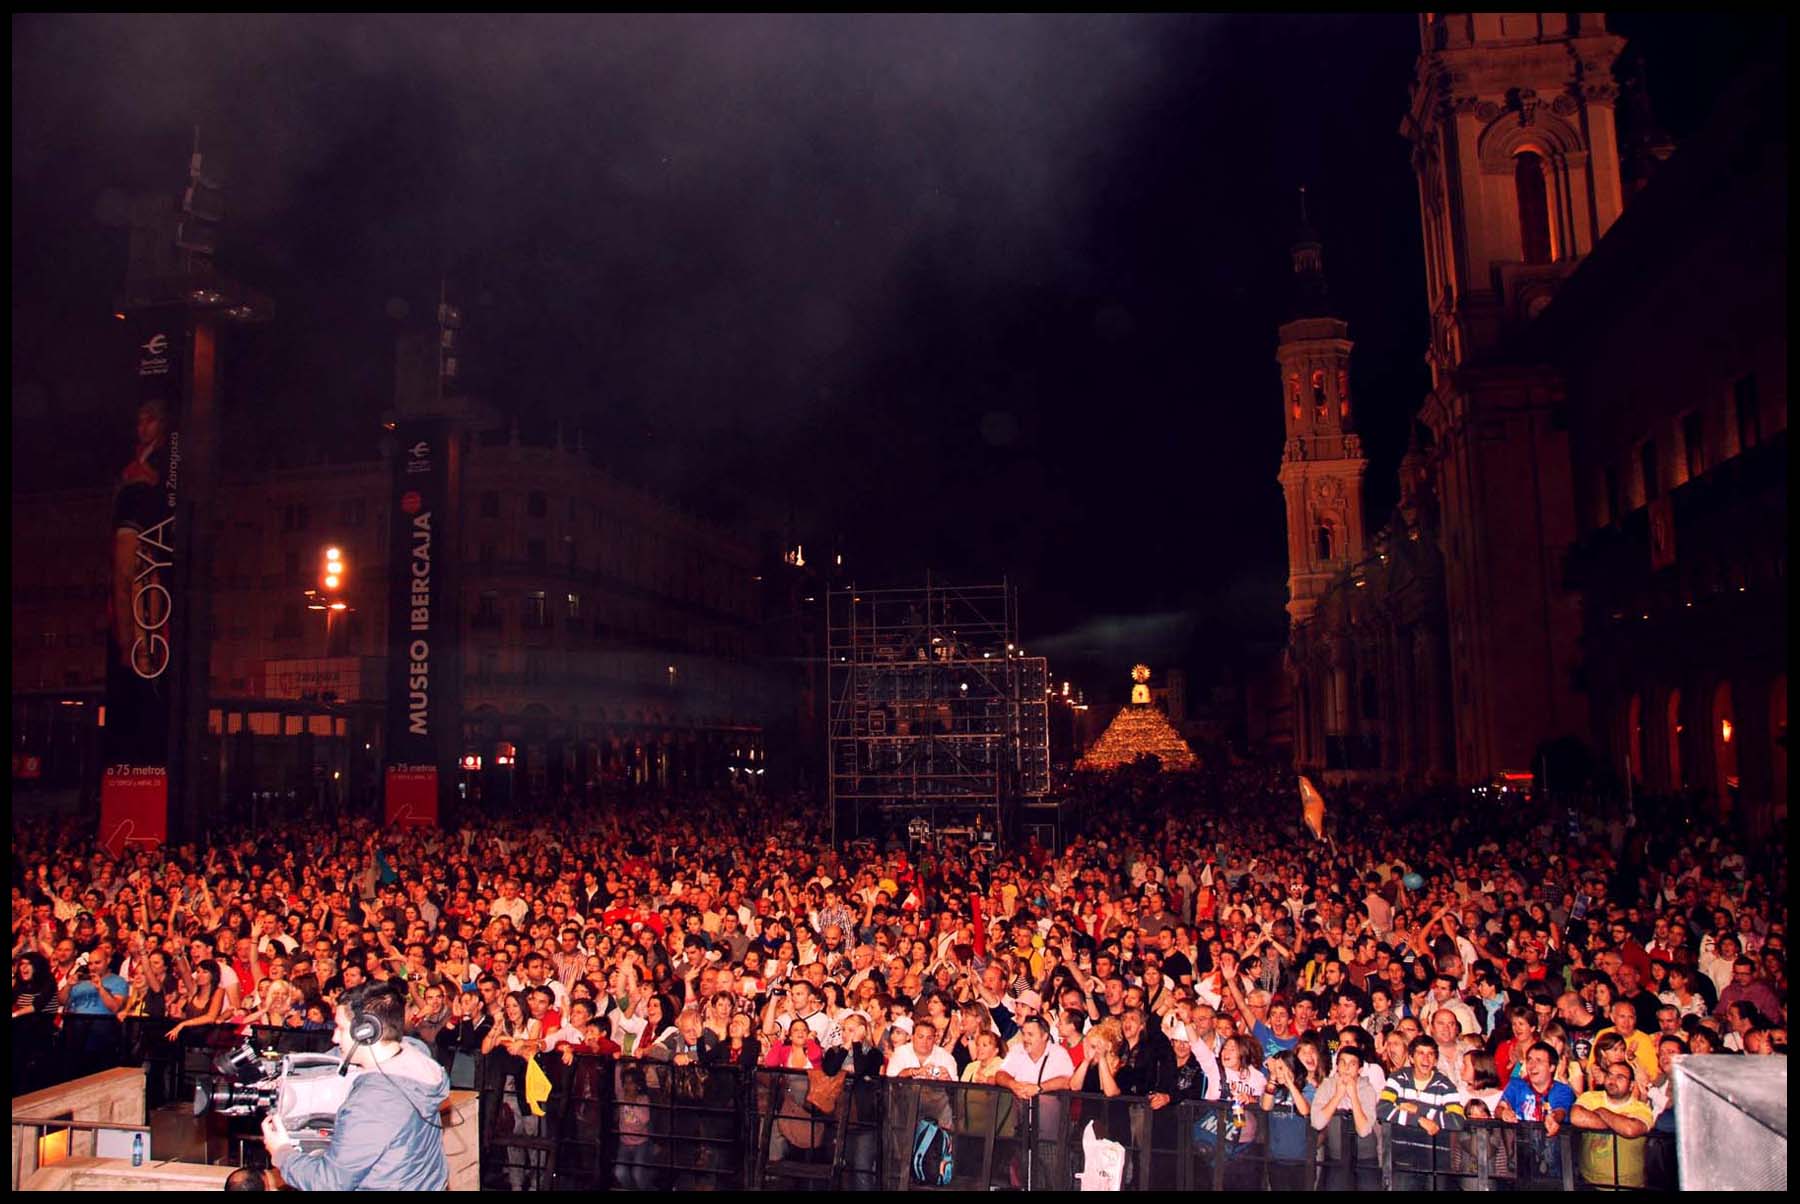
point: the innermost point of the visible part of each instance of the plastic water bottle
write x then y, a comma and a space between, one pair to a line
137, 1149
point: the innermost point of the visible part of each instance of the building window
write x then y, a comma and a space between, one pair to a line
1320, 408
537, 505
1673, 729
1634, 737
490, 505
1693, 444
1534, 208
535, 611
295, 516
1324, 542
1294, 394
487, 610
1749, 418
1647, 464
574, 604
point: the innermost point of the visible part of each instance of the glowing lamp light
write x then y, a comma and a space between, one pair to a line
340, 606
333, 554
1725, 730
331, 580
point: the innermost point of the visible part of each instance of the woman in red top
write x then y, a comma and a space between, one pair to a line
1511, 1052
797, 1051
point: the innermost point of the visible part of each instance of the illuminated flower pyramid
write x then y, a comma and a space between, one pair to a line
1139, 730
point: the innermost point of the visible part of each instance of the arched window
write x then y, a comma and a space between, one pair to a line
1534, 207
1320, 409
1634, 736
1672, 729
1294, 394
1324, 542
1343, 384
1778, 742
1725, 741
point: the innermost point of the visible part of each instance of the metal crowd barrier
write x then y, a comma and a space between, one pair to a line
649, 1125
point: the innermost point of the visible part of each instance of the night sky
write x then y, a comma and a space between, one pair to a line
987, 295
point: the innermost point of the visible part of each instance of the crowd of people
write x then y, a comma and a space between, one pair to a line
1439, 959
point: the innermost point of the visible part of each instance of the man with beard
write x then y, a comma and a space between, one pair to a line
1614, 1123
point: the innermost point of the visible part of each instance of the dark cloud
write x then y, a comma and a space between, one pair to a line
988, 294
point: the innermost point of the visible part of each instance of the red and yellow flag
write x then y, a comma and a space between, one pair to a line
1312, 807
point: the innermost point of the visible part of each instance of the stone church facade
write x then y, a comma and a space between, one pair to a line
1452, 640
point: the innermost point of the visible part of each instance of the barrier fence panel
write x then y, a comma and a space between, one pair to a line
652, 1125
965, 1136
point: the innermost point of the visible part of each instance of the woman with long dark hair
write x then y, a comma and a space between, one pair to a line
206, 1003
35, 1005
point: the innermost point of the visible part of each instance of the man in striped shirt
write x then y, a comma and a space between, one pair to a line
1418, 1104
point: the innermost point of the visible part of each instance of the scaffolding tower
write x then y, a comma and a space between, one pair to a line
934, 712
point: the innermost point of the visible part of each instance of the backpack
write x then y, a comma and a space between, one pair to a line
931, 1160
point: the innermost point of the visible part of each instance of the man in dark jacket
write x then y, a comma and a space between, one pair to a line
388, 1136
1147, 1061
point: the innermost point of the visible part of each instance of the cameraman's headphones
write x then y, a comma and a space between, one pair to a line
364, 1028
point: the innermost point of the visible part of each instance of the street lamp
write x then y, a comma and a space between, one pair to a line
332, 579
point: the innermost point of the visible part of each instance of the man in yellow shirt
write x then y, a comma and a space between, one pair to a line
1615, 1120
1639, 1045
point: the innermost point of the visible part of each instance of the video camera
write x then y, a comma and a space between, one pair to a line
304, 1089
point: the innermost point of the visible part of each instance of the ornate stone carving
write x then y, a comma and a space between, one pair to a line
1526, 101
1487, 110
1599, 92
1564, 105
1328, 490
1353, 446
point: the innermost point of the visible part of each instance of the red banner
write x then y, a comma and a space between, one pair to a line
134, 807
412, 799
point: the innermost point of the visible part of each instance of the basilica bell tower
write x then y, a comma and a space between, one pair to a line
1322, 465
1517, 159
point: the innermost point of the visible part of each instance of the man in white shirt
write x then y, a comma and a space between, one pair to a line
803, 1004
1035, 1066
922, 1058
508, 903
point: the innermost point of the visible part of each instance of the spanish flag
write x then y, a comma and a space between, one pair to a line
537, 1086
1312, 807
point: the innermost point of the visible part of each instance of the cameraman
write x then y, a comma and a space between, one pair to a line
387, 1136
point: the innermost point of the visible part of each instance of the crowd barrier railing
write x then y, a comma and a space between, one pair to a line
652, 1124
